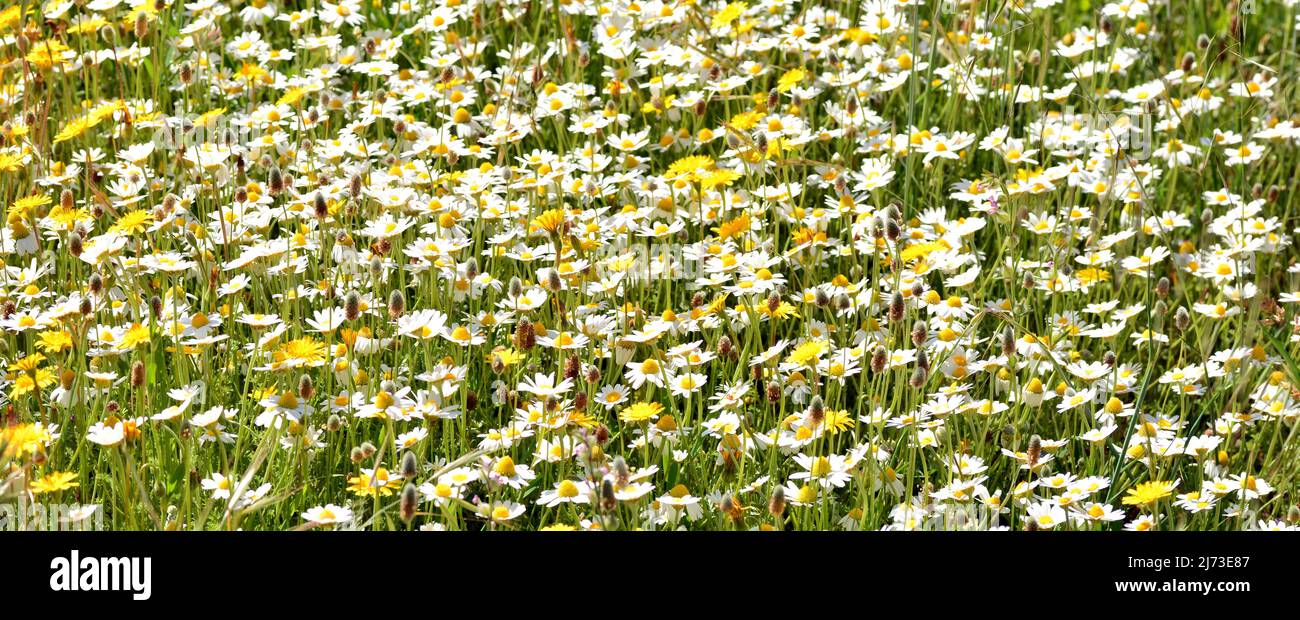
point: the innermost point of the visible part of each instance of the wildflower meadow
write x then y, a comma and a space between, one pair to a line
650, 265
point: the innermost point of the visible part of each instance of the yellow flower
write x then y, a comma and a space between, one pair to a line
1149, 493
368, 485
305, 351
790, 79
21, 439
641, 412
47, 53
10, 16
807, 353
132, 223
10, 162
689, 167
30, 382
733, 227
28, 364
54, 482
719, 178
137, 335
292, 96
27, 203
508, 357
728, 14
550, 221
54, 341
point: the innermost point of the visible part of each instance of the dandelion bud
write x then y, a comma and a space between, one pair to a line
773, 302
917, 380
608, 501
319, 209
1034, 451
368, 449
334, 423
729, 506
410, 465
878, 359
724, 346
408, 503
1162, 287
352, 306
816, 410
773, 392
1207, 216
896, 307
919, 332
1008, 341
892, 230
1182, 320
396, 304
306, 387
516, 287
357, 454
525, 334
275, 181
66, 199
821, 298
776, 504
354, 186
137, 374
66, 378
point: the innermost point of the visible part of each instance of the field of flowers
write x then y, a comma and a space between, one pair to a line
648, 264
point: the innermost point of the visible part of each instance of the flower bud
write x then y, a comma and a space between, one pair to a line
410, 497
